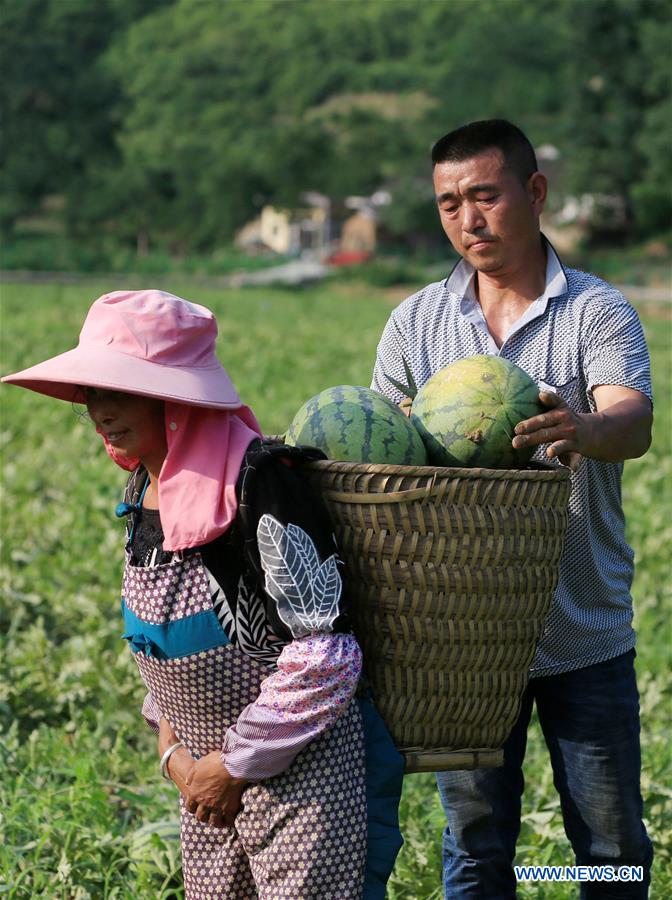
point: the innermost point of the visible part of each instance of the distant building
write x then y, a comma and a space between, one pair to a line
293, 231
286, 232
359, 233
319, 229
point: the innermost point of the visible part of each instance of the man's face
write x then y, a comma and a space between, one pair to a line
488, 215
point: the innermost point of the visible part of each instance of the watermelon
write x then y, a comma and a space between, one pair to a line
154, 840
466, 413
359, 425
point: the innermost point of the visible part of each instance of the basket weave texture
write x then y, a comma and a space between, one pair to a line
451, 573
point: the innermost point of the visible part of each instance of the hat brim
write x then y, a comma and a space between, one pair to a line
63, 376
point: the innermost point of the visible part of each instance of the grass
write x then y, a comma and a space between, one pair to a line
83, 813
41, 252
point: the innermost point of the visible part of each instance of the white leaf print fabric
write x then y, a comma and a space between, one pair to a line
306, 591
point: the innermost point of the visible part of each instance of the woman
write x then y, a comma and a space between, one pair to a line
234, 610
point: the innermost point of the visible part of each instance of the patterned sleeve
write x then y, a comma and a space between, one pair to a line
614, 348
151, 712
389, 361
315, 680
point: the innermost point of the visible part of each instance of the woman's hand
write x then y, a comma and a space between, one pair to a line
212, 794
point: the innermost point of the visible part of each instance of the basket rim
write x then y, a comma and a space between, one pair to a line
538, 472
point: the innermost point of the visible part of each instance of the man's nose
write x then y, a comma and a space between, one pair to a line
472, 218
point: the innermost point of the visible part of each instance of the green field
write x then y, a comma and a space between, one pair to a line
78, 769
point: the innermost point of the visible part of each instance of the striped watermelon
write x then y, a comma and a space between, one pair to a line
466, 413
357, 424
155, 841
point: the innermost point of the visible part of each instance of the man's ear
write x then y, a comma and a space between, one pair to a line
537, 189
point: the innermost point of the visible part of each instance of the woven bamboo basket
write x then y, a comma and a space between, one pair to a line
451, 573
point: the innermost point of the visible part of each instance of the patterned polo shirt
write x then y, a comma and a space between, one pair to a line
580, 333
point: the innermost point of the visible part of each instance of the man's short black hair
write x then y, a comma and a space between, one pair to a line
477, 137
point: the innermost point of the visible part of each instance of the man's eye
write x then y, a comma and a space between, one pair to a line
487, 199
449, 209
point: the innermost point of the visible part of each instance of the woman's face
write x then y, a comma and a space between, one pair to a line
133, 425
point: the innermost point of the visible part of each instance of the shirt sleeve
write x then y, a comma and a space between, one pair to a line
390, 357
614, 348
315, 681
151, 712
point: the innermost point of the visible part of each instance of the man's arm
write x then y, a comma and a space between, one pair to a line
619, 429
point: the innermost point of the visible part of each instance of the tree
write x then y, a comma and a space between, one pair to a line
615, 118
58, 102
651, 193
171, 121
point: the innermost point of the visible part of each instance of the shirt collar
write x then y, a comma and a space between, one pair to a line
461, 279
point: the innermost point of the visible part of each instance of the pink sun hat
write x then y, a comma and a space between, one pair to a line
140, 342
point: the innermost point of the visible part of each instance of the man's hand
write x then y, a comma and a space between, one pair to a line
567, 431
213, 795
405, 406
620, 428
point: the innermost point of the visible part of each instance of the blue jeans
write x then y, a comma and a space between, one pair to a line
590, 721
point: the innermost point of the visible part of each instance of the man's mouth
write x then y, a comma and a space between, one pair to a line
476, 245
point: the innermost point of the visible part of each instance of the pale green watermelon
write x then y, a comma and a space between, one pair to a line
359, 425
466, 413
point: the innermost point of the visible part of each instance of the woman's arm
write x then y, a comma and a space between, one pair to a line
315, 681
318, 670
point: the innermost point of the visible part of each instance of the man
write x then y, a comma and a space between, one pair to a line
579, 339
